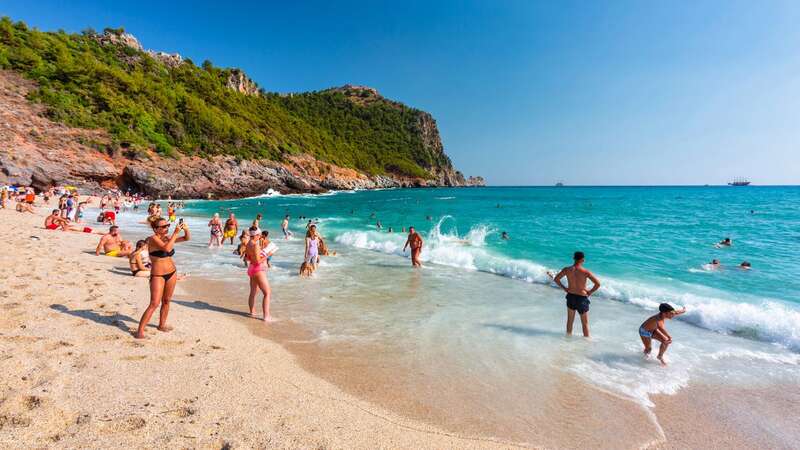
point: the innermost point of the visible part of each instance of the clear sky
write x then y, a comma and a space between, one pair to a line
524, 92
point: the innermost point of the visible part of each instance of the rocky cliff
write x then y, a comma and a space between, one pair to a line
104, 112
39, 152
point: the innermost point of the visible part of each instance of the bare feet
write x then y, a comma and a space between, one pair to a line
647, 351
663, 361
268, 319
139, 335
165, 328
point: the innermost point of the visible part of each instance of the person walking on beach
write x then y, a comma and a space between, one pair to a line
163, 273
577, 295
258, 276
312, 247
231, 228
654, 328
415, 242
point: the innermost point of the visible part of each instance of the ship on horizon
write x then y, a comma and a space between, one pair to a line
739, 182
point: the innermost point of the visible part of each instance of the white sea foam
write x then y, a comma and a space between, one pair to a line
767, 320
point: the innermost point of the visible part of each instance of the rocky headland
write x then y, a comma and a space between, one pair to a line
39, 151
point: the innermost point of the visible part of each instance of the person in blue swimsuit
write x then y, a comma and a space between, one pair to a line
653, 328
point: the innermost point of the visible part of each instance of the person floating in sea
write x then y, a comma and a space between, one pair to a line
725, 243
231, 228
714, 264
257, 274
504, 236
577, 295
285, 227
745, 265
415, 242
654, 328
378, 225
112, 244
163, 273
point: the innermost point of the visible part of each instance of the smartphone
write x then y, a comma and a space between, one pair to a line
180, 221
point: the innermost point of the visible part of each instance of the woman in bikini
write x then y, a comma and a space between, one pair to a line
216, 231
139, 268
163, 274
256, 260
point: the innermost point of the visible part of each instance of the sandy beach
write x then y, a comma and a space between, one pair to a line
74, 377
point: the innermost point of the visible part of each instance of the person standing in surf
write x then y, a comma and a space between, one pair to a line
312, 247
231, 228
258, 276
415, 242
285, 227
577, 295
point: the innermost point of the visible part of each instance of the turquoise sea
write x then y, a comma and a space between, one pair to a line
483, 315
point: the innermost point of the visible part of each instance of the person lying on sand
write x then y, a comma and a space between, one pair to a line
25, 207
55, 222
653, 328
112, 244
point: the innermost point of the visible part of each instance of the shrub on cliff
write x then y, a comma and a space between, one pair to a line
144, 103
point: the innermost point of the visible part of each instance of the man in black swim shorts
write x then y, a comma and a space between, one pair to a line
577, 295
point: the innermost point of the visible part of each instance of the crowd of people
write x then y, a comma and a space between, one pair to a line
152, 257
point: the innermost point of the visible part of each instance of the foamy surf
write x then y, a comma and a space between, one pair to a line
765, 320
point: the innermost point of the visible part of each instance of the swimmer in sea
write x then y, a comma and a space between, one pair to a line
725, 243
504, 236
654, 328
714, 264
577, 295
745, 265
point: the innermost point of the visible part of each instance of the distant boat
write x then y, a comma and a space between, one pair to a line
739, 182
559, 184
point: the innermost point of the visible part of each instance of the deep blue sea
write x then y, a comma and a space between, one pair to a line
483, 314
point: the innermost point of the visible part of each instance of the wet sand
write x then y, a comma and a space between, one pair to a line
574, 414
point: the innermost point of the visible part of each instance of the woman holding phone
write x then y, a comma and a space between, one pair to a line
163, 273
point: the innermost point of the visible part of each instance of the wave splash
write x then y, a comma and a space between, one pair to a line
769, 320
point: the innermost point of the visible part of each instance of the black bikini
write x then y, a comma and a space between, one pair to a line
163, 254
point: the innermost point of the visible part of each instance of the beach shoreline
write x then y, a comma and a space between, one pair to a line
75, 372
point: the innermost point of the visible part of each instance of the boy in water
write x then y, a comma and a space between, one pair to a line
653, 328
577, 294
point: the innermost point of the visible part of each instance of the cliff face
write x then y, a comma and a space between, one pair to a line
37, 151
105, 112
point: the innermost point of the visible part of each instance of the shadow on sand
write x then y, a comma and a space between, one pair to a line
524, 331
209, 307
115, 320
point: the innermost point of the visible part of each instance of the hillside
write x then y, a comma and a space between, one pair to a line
161, 121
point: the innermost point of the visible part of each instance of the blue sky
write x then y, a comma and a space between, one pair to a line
525, 92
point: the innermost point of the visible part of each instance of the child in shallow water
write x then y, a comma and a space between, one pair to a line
653, 328
306, 270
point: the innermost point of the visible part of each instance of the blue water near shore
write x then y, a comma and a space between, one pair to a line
484, 305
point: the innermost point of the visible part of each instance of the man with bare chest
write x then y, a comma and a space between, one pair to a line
577, 295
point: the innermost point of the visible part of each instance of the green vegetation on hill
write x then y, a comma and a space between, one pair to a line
183, 108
